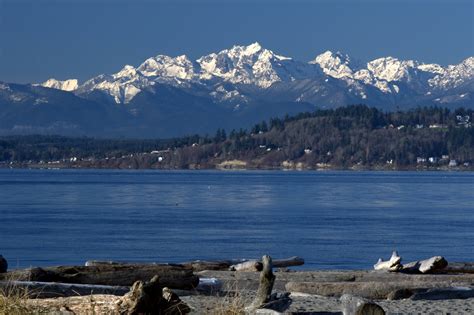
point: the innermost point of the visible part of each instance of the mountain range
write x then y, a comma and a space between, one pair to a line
173, 96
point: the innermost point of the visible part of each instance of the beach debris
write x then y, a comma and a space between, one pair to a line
458, 267
267, 279
354, 305
3, 264
209, 285
393, 264
384, 288
264, 299
42, 290
173, 276
201, 265
257, 265
445, 293
430, 265
151, 297
250, 265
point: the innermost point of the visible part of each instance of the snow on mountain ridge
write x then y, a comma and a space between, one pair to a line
66, 85
180, 67
454, 75
245, 65
336, 65
260, 67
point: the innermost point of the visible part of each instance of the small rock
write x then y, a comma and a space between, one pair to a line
353, 305
3, 264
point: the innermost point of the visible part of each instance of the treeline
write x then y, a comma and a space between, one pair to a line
342, 137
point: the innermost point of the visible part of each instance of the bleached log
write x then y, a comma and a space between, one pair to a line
393, 264
430, 265
250, 265
36, 289
173, 276
256, 265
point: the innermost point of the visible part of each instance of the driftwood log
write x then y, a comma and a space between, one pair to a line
430, 265
231, 264
457, 267
445, 293
393, 264
43, 290
173, 276
371, 289
257, 265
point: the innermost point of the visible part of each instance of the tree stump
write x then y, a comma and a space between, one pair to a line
267, 279
151, 298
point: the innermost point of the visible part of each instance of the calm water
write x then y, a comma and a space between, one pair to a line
332, 219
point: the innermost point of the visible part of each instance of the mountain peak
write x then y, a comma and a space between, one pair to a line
337, 65
127, 71
66, 85
252, 48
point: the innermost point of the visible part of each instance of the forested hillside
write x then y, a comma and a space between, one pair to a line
347, 137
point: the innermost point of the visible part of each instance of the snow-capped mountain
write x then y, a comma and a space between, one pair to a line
169, 96
67, 85
224, 74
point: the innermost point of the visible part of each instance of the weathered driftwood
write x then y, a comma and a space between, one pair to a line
151, 297
371, 289
445, 293
35, 289
200, 265
288, 262
173, 276
353, 305
430, 265
264, 292
3, 264
393, 264
209, 285
250, 265
256, 265
231, 264
457, 267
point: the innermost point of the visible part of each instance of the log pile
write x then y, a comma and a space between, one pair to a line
230, 264
173, 276
430, 265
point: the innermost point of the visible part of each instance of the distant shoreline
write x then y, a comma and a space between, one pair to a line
216, 168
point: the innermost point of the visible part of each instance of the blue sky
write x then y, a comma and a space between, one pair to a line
82, 38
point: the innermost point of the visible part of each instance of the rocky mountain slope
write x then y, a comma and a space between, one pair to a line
170, 96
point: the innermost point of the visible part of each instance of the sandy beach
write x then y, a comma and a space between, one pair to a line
237, 289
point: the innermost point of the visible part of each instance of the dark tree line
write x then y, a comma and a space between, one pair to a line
341, 137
